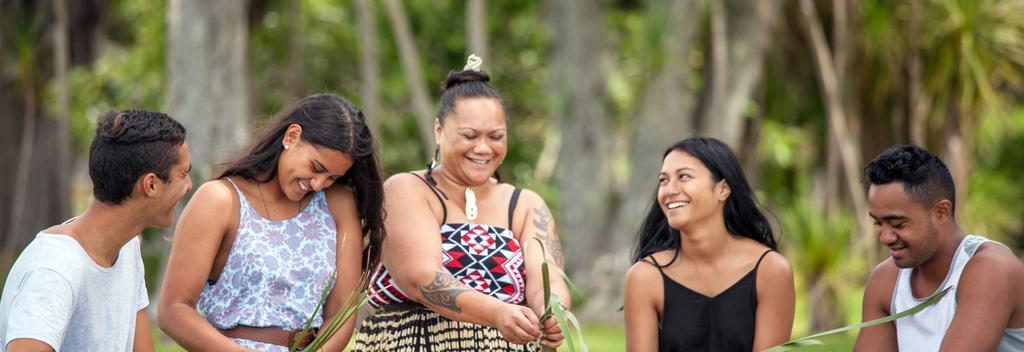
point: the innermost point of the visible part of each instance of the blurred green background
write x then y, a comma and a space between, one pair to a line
805, 91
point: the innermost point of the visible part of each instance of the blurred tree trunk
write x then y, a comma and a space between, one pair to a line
578, 92
839, 127
955, 151
369, 66
664, 114
476, 28
842, 155
23, 166
421, 106
62, 60
824, 303
918, 102
208, 86
833, 181
739, 32
36, 194
295, 49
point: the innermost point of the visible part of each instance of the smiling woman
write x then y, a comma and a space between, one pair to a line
255, 248
477, 285
706, 276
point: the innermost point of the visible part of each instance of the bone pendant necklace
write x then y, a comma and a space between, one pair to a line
471, 209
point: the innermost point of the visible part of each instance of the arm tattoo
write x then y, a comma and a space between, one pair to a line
541, 221
443, 290
543, 218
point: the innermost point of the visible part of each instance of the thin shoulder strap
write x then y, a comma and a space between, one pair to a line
655, 263
232, 182
512, 205
238, 192
438, 194
761, 258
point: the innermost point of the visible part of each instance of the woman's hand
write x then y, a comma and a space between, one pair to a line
517, 324
553, 336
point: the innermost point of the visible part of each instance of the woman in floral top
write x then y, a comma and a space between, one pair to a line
254, 249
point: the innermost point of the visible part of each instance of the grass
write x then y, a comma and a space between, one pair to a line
601, 338
164, 343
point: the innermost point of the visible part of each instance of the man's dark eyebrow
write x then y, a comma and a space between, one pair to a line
889, 217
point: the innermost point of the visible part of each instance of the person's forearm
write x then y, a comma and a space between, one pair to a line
342, 336
190, 330
442, 293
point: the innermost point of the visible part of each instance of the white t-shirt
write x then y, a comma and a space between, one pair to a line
57, 294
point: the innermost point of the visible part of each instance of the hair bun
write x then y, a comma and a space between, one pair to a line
459, 77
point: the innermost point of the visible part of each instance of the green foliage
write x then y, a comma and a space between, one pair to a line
993, 204
553, 308
129, 73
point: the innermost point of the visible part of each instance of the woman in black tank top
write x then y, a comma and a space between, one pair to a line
706, 276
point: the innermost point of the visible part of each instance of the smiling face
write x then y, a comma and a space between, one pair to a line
472, 140
304, 167
904, 225
167, 194
688, 193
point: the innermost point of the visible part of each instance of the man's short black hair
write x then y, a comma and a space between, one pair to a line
925, 177
129, 144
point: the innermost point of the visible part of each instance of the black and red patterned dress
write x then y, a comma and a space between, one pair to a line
486, 258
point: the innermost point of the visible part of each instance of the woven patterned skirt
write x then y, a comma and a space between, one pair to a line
412, 327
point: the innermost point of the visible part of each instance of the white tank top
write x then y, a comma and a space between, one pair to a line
924, 330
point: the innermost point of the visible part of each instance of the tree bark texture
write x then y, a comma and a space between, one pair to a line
32, 54
740, 37
423, 110
849, 151
369, 64
578, 88
208, 86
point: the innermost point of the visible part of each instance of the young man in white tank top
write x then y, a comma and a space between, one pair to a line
912, 202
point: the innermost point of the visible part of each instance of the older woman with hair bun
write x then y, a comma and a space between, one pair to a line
461, 267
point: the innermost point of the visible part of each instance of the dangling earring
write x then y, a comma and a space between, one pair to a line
437, 151
432, 165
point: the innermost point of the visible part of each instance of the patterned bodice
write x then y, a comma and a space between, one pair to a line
485, 258
276, 270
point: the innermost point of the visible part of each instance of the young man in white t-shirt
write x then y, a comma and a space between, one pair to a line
80, 286
912, 201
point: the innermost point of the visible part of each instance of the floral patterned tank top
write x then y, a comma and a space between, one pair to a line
485, 258
276, 270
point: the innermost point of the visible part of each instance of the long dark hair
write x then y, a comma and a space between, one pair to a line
742, 216
333, 122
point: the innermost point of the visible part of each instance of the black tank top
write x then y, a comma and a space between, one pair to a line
695, 322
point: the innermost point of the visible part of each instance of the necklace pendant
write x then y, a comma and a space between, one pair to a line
471, 209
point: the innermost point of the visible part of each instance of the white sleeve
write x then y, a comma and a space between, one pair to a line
41, 309
142, 296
